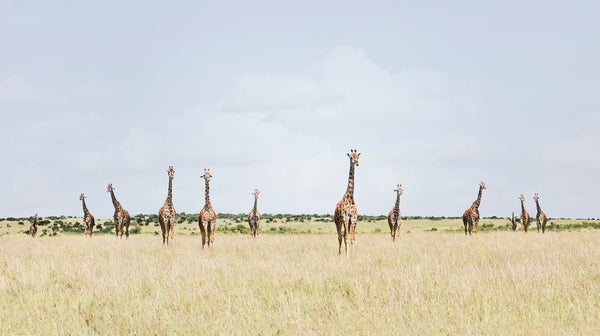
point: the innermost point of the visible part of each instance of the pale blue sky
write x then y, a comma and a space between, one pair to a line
436, 95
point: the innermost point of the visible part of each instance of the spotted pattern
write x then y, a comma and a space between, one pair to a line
346, 215
207, 218
254, 216
394, 217
88, 219
167, 213
471, 215
121, 216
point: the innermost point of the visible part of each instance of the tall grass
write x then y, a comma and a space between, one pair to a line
427, 283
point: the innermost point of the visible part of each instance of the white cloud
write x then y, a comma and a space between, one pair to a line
16, 88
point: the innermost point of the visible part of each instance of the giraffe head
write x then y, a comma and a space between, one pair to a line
399, 189
171, 172
81, 197
109, 188
522, 198
255, 193
206, 175
482, 185
353, 156
35, 215
536, 197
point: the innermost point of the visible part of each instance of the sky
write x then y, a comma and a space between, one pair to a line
436, 95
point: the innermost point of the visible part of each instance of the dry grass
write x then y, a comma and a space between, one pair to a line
427, 283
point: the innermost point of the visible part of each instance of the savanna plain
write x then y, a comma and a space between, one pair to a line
432, 280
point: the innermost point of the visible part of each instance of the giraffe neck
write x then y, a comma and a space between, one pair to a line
254, 207
35, 220
116, 203
478, 200
207, 204
85, 210
522, 207
397, 205
169, 200
513, 216
537, 204
350, 190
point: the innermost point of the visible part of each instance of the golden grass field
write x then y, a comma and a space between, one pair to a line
495, 283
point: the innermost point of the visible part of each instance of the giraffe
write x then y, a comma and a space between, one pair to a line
471, 215
166, 214
540, 217
88, 219
121, 216
254, 216
513, 223
207, 218
394, 217
33, 227
524, 215
345, 211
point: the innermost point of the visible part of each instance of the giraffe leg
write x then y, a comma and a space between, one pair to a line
172, 224
353, 229
346, 228
209, 233
212, 233
126, 229
470, 225
202, 231
476, 224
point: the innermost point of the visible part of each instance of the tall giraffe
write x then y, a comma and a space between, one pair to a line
394, 217
88, 219
513, 223
540, 218
524, 215
166, 214
121, 216
345, 211
207, 219
33, 227
471, 215
254, 216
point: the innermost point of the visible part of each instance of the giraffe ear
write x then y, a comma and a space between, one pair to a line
358, 154
348, 154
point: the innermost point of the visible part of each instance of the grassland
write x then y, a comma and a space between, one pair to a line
277, 224
494, 283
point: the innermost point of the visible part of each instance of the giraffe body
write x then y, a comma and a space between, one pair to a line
207, 218
167, 213
346, 215
471, 215
540, 217
524, 215
513, 223
88, 219
121, 216
33, 227
254, 216
394, 217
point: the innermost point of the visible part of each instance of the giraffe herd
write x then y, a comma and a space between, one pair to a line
345, 215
